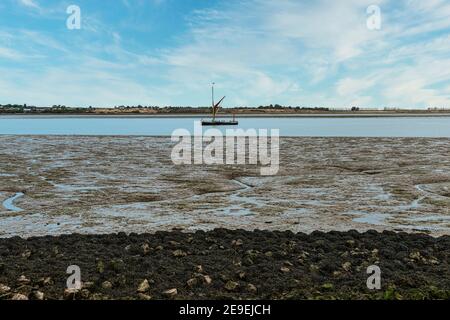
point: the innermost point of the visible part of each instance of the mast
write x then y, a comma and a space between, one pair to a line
213, 105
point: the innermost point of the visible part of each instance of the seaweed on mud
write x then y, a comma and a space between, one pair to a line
234, 264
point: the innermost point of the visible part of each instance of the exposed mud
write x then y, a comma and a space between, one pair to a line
111, 184
227, 264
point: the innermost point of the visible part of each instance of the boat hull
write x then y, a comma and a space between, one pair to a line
220, 123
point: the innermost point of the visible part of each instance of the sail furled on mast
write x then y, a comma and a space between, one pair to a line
216, 107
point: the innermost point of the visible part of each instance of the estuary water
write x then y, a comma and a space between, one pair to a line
415, 126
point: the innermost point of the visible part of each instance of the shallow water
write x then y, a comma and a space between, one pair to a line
315, 127
9, 203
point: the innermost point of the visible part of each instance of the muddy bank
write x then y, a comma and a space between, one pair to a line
111, 184
227, 264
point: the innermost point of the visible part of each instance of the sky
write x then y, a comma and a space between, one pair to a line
258, 52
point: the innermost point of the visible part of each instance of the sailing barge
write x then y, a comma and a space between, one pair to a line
215, 109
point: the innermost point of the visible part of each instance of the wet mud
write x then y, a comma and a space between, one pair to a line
90, 184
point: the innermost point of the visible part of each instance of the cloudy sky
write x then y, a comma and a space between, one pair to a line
167, 52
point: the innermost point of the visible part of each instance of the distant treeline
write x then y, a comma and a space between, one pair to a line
272, 108
23, 108
277, 106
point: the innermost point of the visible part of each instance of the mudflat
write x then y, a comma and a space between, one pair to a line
140, 227
92, 184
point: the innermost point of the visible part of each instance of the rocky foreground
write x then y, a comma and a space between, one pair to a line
227, 264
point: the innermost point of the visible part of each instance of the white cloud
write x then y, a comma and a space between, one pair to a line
349, 86
29, 3
7, 53
258, 52
415, 86
338, 26
264, 52
82, 86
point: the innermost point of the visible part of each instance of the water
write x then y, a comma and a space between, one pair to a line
9, 203
164, 126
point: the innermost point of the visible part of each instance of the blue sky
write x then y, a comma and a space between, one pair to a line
167, 52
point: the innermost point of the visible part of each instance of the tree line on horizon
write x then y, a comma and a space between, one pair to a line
24, 108
63, 108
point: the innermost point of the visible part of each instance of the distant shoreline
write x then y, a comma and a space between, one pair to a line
244, 115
